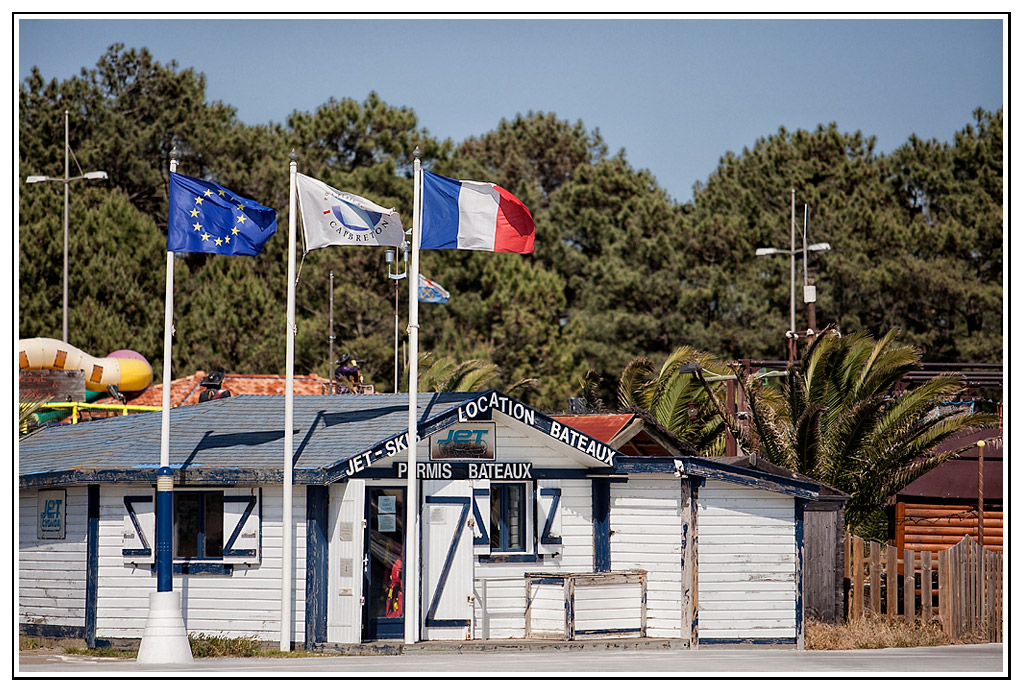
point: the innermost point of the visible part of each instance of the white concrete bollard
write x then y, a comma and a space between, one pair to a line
164, 640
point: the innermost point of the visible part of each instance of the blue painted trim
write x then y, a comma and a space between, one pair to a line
129, 507
204, 567
748, 641
600, 503
485, 536
695, 484
545, 535
229, 550
316, 564
475, 408
711, 469
448, 623
41, 630
509, 558
430, 621
92, 563
799, 530
164, 535
547, 581
609, 631
389, 472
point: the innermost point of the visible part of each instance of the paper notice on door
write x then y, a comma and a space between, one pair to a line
386, 523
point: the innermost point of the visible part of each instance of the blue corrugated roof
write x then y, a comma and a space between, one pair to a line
239, 436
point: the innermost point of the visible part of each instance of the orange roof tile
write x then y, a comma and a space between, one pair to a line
187, 390
603, 427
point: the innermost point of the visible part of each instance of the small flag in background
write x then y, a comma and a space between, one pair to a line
432, 292
206, 218
468, 215
332, 217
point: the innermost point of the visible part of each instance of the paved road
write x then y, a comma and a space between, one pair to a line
953, 660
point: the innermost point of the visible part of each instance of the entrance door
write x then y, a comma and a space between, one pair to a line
383, 567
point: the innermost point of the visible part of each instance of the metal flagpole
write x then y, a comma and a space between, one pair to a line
286, 518
330, 346
165, 641
412, 532
67, 151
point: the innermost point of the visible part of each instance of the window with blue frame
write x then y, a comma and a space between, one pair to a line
198, 524
508, 517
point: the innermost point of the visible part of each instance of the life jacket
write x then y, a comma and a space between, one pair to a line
394, 603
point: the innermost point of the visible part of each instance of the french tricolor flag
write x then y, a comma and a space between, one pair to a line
467, 215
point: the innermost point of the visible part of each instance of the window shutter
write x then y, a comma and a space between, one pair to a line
242, 526
481, 517
139, 529
549, 516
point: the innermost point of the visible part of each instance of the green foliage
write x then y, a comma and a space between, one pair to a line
620, 271
842, 420
679, 402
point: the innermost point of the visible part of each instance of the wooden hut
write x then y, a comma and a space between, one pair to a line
939, 508
528, 528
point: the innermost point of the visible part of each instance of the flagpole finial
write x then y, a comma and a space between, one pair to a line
417, 153
293, 156
175, 154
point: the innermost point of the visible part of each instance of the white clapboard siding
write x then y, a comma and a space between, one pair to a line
547, 611
607, 607
345, 563
51, 572
246, 603
747, 563
644, 519
499, 589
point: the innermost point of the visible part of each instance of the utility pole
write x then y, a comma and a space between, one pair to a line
791, 336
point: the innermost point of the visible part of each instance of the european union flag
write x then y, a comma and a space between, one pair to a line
206, 218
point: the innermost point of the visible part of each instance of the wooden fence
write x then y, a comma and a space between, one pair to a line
961, 587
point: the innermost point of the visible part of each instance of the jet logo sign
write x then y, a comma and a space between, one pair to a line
472, 441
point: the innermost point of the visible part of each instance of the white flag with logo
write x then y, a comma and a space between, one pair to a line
332, 217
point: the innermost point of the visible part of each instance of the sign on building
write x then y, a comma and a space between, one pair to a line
472, 441
51, 385
51, 514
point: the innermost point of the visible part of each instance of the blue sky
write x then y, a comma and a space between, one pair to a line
675, 93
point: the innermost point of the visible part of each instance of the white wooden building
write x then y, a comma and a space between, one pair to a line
529, 528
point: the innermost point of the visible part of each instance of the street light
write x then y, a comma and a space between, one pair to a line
91, 175
809, 291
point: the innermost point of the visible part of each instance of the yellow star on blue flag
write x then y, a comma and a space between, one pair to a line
207, 218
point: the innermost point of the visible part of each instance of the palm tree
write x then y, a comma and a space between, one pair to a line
445, 374
842, 419
26, 416
677, 401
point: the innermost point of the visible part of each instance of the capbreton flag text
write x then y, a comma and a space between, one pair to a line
333, 217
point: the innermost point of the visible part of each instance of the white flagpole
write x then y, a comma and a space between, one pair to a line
412, 530
286, 520
164, 640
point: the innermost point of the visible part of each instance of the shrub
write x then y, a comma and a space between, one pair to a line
204, 645
877, 632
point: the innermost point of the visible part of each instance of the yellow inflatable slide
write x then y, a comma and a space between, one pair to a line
125, 369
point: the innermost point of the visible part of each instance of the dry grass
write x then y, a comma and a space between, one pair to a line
873, 633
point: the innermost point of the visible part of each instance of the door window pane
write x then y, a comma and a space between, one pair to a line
386, 534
